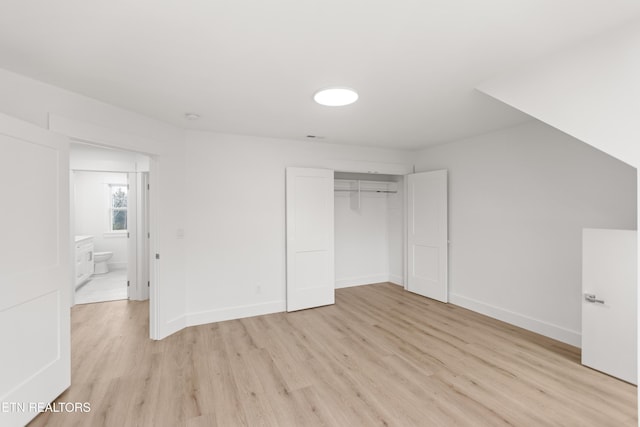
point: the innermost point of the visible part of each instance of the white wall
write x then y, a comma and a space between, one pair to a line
518, 201
591, 92
235, 263
92, 213
35, 102
236, 215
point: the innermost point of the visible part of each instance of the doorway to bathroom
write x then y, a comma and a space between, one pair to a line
109, 216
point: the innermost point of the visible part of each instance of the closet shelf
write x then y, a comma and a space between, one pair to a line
367, 191
361, 186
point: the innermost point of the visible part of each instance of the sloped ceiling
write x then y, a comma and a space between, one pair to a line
591, 92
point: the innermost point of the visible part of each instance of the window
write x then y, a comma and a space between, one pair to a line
118, 207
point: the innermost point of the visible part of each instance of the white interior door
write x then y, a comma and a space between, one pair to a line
310, 238
427, 241
609, 305
35, 270
143, 236
132, 236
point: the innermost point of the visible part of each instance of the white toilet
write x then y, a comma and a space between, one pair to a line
100, 259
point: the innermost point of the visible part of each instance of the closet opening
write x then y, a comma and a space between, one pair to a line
369, 212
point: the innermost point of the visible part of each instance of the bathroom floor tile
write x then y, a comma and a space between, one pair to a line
105, 287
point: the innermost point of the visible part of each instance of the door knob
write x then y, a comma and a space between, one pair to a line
592, 298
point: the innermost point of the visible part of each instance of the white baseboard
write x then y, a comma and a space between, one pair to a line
396, 280
358, 281
237, 312
538, 326
171, 327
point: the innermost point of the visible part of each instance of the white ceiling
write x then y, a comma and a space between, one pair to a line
252, 66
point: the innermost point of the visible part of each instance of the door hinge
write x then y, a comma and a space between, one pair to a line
128, 235
148, 284
157, 256
128, 283
148, 235
148, 187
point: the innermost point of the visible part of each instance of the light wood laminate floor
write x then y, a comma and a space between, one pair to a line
379, 356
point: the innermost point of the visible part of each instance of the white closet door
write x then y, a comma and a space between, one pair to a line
35, 277
310, 238
427, 241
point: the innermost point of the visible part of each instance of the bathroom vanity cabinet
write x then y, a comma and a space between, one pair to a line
84, 259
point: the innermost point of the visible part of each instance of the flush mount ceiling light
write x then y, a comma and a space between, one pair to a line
336, 96
191, 116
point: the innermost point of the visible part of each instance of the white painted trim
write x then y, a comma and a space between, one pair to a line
143, 255
543, 328
115, 234
109, 138
396, 280
72, 242
355, 166
237, 312
101, 136
154, 248
361, 280
12, 126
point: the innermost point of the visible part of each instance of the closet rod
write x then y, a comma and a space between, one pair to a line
368, 191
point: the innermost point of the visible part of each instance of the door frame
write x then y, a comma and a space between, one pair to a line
105, 138
132, 235
144, 235
138, 258
138, 245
